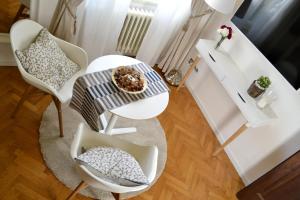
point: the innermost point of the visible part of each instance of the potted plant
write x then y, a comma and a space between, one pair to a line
259, 86
225, 32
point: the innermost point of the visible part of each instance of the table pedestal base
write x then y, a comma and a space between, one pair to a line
108, 127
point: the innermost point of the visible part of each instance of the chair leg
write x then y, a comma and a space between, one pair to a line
19, 13
58, 107
81, 186
116, 195
22, 100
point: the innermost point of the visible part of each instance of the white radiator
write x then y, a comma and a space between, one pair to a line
134, 29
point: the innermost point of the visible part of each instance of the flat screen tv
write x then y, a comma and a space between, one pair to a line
273, 26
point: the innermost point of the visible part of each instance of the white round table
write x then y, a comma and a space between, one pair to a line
142, 109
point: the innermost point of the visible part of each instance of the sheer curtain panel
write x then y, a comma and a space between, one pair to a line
99, 25
63, 23
169, 17
94, 25
186, 38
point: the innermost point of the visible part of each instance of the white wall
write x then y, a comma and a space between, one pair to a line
42, 11
257, 150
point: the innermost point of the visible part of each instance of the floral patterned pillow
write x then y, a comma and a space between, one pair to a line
114, 165
45, 60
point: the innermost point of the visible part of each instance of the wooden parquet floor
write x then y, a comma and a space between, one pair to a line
190, 174
8, 10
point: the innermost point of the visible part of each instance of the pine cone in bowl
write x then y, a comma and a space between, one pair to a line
129, 79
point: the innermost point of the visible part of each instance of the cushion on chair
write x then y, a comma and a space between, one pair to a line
45, 60
114, 165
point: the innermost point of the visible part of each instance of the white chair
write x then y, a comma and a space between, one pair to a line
87, 138
22, 34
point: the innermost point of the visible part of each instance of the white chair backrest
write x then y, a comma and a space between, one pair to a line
145, 155
22, 34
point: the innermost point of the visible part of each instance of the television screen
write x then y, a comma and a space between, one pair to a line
273, 26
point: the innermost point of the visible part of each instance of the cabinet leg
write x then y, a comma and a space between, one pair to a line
230, 139
188, 73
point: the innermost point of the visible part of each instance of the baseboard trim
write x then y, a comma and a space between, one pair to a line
219, 135
4, 38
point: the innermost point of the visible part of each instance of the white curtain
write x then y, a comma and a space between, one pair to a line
186, 38
99, 23
169, 17
63, 23
94, 25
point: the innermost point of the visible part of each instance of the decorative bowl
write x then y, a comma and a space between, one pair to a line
142, 77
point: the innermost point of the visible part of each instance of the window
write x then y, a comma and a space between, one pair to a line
145, 4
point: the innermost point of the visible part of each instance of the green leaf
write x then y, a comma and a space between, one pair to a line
264, 81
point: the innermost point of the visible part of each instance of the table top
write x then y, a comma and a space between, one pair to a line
235, 82
142, 109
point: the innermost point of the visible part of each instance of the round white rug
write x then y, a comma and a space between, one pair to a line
56, 150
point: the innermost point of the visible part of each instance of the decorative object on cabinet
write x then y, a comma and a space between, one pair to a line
174, 76
225, 32
259, 86
266, 99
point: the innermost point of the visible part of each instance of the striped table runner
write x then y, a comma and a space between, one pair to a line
95, 93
